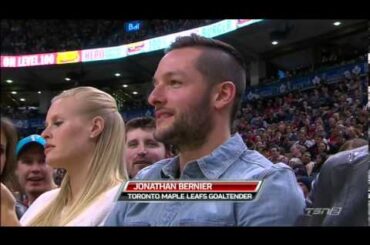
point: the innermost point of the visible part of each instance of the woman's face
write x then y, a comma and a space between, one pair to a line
67, 133
3, 150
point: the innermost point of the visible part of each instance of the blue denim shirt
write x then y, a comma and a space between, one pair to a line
279, 202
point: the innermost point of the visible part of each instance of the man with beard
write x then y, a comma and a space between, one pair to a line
141, 149
198, 86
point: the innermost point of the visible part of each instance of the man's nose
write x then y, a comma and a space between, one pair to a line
35, 167
142, 150
156, 97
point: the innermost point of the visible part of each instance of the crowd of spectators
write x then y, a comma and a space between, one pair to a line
327, 60
304, 128
40, 36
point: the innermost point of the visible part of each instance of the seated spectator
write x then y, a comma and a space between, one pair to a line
306, 160
295, 150
305, 183
34, 175
300, 170
275, 156
199, 125
141, 149
341, 187
58, 176
8, 163
84, 136
319, 161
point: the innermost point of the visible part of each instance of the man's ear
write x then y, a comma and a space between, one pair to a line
97, 126
168, 154
170, 151
224, 94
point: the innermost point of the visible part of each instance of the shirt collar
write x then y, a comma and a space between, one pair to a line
211, 166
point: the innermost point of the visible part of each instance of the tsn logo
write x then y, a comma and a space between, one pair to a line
323, 211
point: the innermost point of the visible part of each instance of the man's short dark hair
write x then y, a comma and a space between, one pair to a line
215, 66
140, 122
144, 123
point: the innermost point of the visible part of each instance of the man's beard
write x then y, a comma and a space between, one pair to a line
190, 127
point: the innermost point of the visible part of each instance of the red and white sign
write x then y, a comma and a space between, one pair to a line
154, 191
28, 60
192, 186
92, 54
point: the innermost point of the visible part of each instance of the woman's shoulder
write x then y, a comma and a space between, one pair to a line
115, 188
45, 198
48, 194
39, 204
112, 193
97, 212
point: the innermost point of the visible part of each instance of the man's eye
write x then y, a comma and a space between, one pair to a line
58, 123
175, 83
27, 161
152, 144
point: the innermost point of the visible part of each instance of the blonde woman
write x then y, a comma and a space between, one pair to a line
84, 136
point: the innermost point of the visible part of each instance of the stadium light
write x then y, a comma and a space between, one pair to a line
9, 81
117, 74
67, 79
14, 92
39, 92
22, 99
125, 85
337, 23
134, 92
275, 42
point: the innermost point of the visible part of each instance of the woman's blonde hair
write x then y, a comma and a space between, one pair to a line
106, 169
